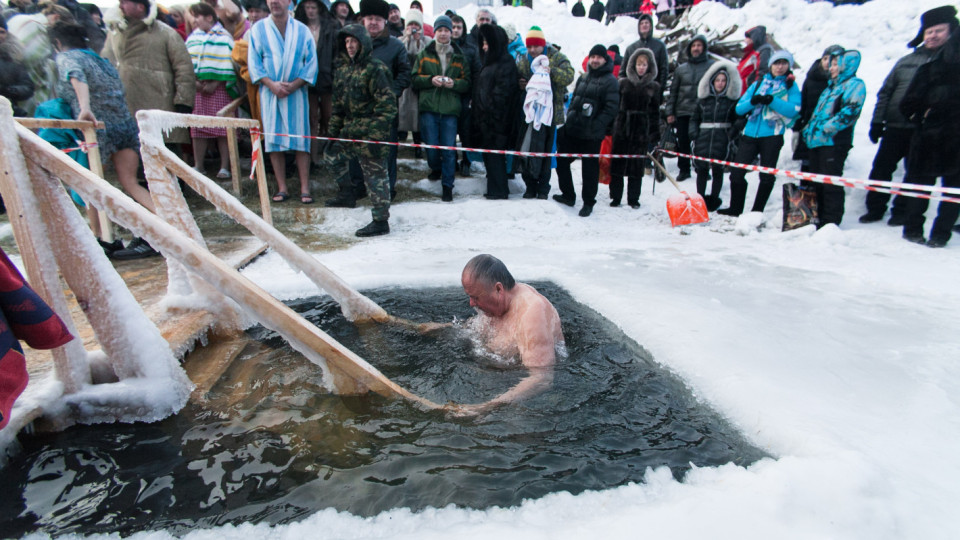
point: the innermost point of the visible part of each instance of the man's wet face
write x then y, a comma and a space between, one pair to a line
482, 297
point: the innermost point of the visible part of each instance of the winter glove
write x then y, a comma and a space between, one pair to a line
761, 99
876, 131
182, 109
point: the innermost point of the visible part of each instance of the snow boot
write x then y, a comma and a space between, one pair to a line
738, 193
447, 194
138, 248
374, 228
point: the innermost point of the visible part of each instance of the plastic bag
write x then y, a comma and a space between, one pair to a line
606, 147
799, 206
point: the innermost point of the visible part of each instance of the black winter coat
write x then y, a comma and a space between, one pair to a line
638, 121
578, 10
686, 80
712, 123
15, 83
596, 11
593, 106
813, 85
895, 86
391, 52
496, 94
932, 103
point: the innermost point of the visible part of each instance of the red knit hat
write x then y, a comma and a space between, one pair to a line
535, 37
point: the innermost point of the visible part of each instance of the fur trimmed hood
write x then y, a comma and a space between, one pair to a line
734, 85
652, 71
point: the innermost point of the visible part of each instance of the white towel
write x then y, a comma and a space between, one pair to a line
538, 105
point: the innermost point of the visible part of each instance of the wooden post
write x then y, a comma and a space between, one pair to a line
234, 160
70, 361
264, 190
99, 222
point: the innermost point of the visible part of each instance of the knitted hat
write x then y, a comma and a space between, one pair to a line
374, 7
597, 50
414, 16
416, 5
782, 54
535, 37
394, 7
615, 48
938, 15
443, 22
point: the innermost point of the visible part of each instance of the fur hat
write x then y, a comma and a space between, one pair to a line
782, 54
598, 50
535, 37
443, 22
414, 16
933, 17
374, 7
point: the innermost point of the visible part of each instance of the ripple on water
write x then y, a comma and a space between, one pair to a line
268, 444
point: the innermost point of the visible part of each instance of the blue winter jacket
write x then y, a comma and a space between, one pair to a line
773, 119
839, 106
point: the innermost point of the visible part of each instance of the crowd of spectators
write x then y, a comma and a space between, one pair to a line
377, 74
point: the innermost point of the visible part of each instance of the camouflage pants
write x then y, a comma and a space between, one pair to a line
375, 178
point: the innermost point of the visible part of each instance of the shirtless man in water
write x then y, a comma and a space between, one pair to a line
515, 320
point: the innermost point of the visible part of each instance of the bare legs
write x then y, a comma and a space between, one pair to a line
200, 151
126, 162
278, 160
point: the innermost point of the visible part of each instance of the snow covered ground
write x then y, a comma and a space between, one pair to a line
836, 351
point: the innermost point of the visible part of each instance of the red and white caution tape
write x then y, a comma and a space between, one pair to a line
82, 146
935, 193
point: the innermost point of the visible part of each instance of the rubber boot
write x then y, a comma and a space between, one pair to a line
738, 193
763, 194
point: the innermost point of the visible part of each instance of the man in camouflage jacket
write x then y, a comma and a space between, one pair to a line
363, 108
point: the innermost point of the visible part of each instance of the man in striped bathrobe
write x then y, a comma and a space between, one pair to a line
283, 61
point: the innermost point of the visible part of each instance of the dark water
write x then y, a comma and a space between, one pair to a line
266, 444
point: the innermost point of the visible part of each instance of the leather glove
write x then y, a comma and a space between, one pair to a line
876, 131
182, 109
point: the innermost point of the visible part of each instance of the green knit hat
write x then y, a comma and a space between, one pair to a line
535, 37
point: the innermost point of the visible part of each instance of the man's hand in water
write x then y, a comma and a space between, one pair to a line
456, 410
426, 328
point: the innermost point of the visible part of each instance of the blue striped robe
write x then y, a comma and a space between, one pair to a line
283, 59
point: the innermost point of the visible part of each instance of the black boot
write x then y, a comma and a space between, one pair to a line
763, 194
374, 228
344, 199
738, 193
447, 194
713, 202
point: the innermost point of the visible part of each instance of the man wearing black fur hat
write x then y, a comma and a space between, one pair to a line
932, 103
891, 128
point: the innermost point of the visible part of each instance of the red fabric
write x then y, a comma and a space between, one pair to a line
606, 147
748, 64
23, 316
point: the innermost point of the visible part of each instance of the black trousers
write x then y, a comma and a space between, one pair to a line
541, 183
947, 212
894, 146
590, 169
830, 199
704, 171
768, 148
496, 166
683, 142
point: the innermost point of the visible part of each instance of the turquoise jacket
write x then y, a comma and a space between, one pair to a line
773, 119
839, 106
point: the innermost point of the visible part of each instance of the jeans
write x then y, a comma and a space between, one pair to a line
440, 129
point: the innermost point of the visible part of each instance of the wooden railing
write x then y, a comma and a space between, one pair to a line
48, 227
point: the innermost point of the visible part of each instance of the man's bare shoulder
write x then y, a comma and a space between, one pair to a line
535, 308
